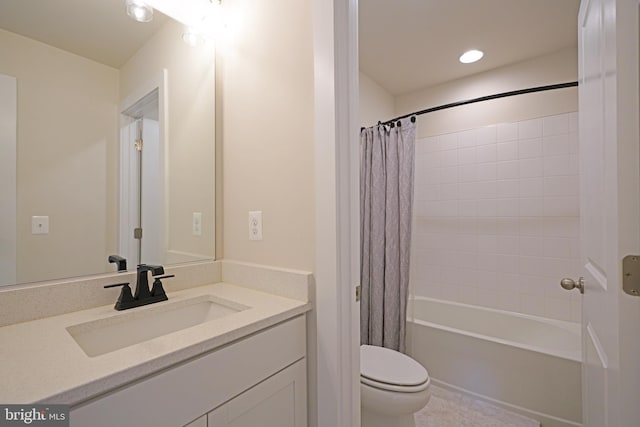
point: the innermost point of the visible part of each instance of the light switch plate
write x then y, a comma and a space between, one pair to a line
39, 225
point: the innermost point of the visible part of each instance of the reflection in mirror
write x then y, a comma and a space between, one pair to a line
75, 162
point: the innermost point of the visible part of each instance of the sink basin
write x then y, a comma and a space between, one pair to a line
123, 330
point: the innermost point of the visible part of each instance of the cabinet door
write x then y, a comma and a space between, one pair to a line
278, 401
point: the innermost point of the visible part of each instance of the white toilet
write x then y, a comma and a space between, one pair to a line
393, 387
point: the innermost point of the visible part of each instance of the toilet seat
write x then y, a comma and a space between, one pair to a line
386, 369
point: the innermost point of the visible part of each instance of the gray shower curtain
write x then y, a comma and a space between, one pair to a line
386, 199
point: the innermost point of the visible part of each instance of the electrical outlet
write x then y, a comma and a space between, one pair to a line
255, 225
39, 225
197, 224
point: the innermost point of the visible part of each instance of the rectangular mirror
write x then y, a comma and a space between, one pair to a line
88, 81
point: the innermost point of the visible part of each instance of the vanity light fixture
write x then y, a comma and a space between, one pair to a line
471, 56
139, 10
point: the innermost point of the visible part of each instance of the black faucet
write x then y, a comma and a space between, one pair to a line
143, 295
142, 283
119, 261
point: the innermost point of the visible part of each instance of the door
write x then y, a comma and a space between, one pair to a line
608, 68
278, 401
142, 201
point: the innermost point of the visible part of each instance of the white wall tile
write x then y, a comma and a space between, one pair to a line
507, 188
530, 129
507, 226
467, 138
507, 132
497, 216
529, 148
487, 243
486, 135
558, 308
467, 173
486, 189
531, 246
555, 125
531, 187
448, 158
565, 206
467, 208
508, 245
447, 142
466, 156
507, 151
507, 207
531, 206
448, 174
558, 165
487, 171
532, 285
486, 153
507, 170
487, 208
530, 168
531, 226
556, 145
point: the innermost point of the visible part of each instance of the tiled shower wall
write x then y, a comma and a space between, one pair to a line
497, 217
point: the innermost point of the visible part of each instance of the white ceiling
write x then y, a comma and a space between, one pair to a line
407, 45
96, 29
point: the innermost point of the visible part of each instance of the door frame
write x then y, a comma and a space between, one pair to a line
334, 354
128, 185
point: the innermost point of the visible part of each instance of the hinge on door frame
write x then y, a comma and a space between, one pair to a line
358, 292
631, 275
137, 233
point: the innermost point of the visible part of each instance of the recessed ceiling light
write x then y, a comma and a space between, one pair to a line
471, 56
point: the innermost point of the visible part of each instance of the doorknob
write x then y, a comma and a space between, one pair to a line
569, 284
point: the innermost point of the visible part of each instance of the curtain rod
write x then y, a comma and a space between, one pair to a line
484, 98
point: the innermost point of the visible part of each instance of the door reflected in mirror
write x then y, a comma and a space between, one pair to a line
73, 151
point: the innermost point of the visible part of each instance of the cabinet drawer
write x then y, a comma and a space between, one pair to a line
178, 395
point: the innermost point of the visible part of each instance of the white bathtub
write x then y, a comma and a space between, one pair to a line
528, 364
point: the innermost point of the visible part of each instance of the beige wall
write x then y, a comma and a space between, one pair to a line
67, 157
376, 104
558, 67
191, 133
267, 131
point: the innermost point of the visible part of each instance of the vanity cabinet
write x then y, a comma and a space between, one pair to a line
257, 380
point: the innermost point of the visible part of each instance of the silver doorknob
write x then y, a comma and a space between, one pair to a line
569, 284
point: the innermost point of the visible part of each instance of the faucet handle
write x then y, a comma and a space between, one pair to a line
158, 290
125, 300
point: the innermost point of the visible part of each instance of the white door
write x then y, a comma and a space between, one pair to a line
610, 190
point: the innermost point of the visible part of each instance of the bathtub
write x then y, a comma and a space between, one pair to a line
527, 364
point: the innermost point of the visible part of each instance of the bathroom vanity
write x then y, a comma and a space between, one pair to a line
218, 354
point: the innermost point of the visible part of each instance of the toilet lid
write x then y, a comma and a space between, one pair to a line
387, 366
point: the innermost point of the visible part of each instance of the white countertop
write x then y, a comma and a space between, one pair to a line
40, 362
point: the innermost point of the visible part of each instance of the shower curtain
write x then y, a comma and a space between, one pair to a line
386, 199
